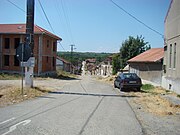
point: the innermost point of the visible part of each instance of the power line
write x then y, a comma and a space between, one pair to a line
67, 20
46, 16
56, 3
61, 46
69, 32
16, 5
43, 12
137, 19
48, 21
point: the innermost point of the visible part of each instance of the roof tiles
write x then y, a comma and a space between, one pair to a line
152, 55
21, 29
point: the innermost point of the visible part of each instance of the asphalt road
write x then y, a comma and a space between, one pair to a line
83, 106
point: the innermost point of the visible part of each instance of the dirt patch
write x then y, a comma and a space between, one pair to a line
153, 101
12, 94
155, 104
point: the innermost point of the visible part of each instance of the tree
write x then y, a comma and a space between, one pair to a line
115, 63
129, 49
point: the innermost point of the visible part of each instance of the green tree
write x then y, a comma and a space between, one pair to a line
130, 48
116, 63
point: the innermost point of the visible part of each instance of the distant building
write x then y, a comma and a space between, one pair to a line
148, 65
91, 65
105, 67
45, 48
64, 65
90, 61
171, 76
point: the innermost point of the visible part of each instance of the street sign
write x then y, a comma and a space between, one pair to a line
23, 52
29, 63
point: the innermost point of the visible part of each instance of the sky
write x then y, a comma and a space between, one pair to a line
93, 25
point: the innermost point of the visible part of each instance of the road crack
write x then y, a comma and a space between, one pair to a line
90, 116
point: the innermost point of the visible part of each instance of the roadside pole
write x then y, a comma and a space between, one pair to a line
22, 69
29, 66
72, 48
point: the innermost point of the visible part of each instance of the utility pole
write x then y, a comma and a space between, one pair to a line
72, 48
30, 25
29, 69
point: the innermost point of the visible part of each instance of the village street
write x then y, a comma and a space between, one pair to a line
82, 106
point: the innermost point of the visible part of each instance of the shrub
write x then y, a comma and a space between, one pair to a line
147, 87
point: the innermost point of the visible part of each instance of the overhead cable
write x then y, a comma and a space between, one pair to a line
67, 20
137, 19
46, 16
61, 46
16, 5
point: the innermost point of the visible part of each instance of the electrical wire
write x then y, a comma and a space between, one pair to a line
16, 6
136, 19
48, 21
43, 12
46, 16
59, 12
69, 32
61, 46
67, 21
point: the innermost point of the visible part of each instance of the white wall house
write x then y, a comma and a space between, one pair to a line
171, 75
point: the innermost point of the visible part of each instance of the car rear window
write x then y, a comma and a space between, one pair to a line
130, 75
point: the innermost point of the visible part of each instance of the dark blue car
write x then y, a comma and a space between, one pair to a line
128, 80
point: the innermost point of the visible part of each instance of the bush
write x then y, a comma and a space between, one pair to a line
147, 87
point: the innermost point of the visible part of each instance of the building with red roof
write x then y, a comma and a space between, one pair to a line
148, 65
45, 48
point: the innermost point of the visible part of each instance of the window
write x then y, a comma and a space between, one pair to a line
54, 46
47, 59
6, 60
16, 61
170, 56
174, 64
47, 43
54, 62
7, 43
16, 42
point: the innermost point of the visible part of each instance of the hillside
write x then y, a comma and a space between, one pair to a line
78, 57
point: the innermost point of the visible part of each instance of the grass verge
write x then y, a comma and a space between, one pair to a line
4, 76
147, 87
12, 95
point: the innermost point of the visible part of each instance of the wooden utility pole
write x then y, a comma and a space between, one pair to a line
30, 24
29, 69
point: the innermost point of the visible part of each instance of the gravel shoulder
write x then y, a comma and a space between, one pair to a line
156, 124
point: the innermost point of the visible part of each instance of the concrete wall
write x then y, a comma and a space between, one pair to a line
148, 71
105, 70
171, 76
